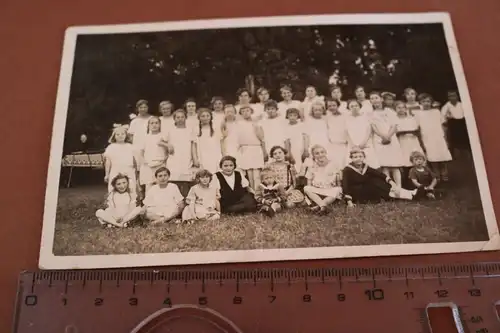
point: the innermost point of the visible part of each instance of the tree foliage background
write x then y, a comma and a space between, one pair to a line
112, 71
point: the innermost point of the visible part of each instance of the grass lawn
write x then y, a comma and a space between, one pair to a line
457, 217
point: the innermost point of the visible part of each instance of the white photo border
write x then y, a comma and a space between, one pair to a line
47, 259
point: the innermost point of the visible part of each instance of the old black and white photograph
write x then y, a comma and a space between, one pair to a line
263, 139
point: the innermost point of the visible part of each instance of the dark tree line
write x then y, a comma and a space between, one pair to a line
113, 71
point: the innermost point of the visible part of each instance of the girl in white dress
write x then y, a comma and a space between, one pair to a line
336, 93
153, 153
288, 103
191, 114
139, 127
385, 141
202, 201
412, 105
166, 119
273, 127
229, 129
323, 180
259, 107
164, 202
360, 133
366, 106
208, 143
119, 158
337, 133
121, 204
311, 98
297, 140
252, 147
180, 142
245, 100
218, 112
316, 126
408, 133
433, 137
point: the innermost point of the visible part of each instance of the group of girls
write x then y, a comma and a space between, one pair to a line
252, 155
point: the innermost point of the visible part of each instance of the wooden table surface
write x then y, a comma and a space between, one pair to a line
31, 37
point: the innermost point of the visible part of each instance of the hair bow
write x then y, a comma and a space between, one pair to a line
115, 126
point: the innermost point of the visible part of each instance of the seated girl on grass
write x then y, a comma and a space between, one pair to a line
270, 195
121, 204
202, 201
323, 181
284, 172
164, 202
236, 196
422, 177
362, 184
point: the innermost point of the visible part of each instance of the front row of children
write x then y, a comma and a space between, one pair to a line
228, 191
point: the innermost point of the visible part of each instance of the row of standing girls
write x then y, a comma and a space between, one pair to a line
190, 139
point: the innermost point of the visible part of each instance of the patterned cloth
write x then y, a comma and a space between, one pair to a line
83, 160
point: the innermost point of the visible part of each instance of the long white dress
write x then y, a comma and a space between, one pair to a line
317, 130
408, 141
180, 162
155, 157
433, 136
217, 120
337, 133
357, 128
166, 124
284, 106
192, 122
295, 133
121, 156
274, 132
209, 148
250, 151
231, 141
138, 128
389, 155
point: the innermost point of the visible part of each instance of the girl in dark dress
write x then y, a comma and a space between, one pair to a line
236, 196
362, 184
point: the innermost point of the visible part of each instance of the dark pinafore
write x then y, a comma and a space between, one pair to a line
237, 200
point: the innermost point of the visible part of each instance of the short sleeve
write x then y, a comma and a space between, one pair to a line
191, 196
215, 183
148, 200
132, 128
176, 193
107, 152
244, 181
412, 174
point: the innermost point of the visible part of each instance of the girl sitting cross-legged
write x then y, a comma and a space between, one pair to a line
323, 180
121, 204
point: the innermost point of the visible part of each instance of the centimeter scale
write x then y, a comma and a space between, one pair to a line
361, 300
